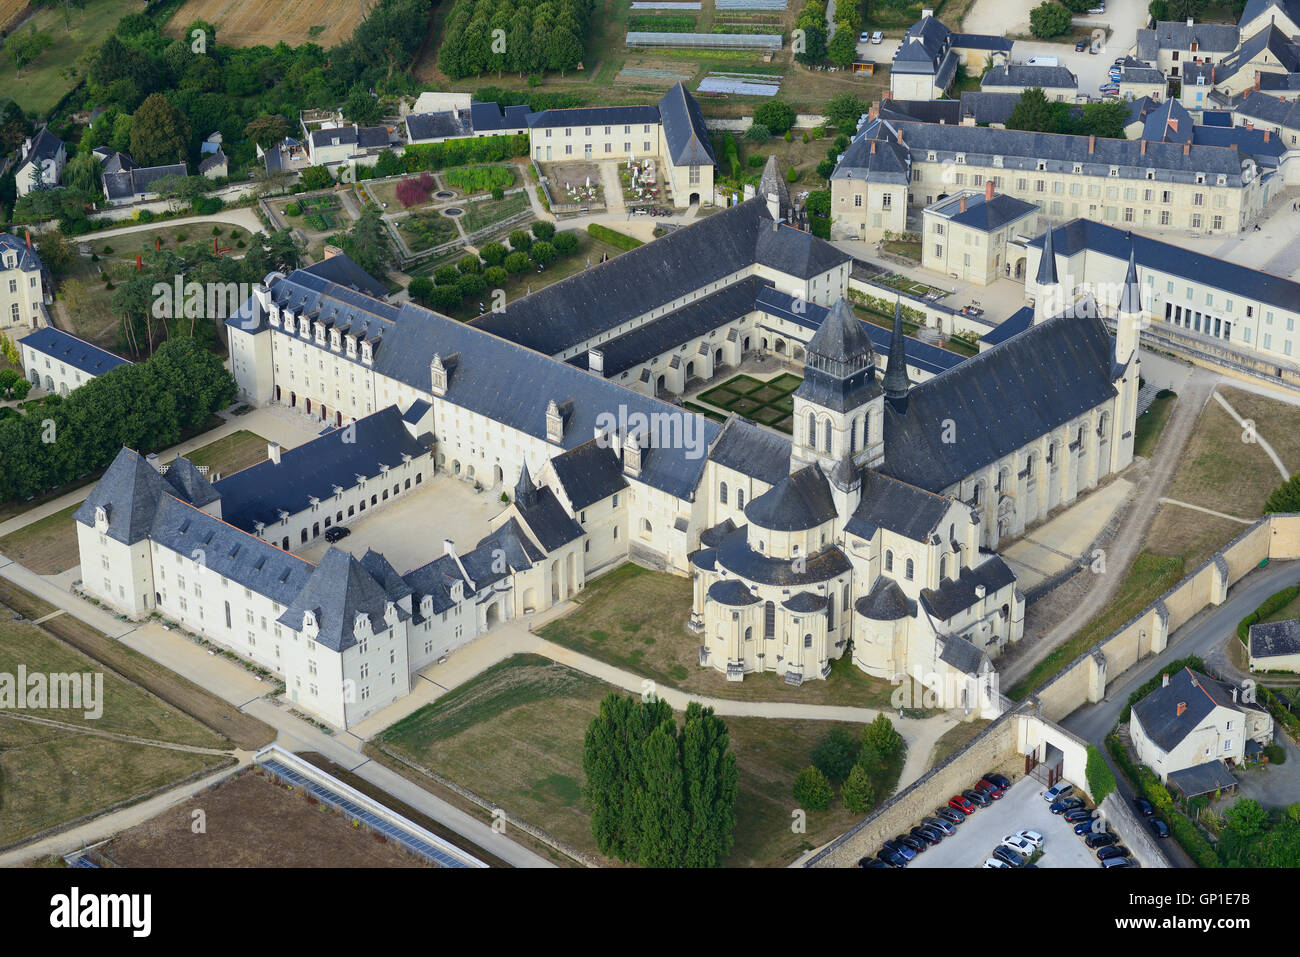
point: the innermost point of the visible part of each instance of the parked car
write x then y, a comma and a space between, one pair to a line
864, 37
1080, 46
1058, 791
1098, 10
1114, 850
929, 835
1104, 839
1158, 827
1033, 837
1095, 48
894, 847
961, 803
1001, 780
1144, 807
1108, 88
914, 843
1119, 61
336, 533
1007, 855
891, 858
1084, 828
1069, 804
978, 797
1018, 844
877, 37
989, 788
1078, 814
939, 824
951, 815
1119, 862
993, 862
872, 862
1110, 93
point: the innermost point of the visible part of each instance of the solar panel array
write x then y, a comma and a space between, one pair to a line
438, 855
716, 41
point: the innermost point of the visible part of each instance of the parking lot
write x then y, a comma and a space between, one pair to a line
1022, 806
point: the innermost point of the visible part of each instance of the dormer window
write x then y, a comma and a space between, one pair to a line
1042, 165
351, 344
1151, 174
1114, 171
367, 353
1200, 178
101, 518
961, 158
930, 156
334, 339
1222, 180
997, 162
1078, 167
320, 333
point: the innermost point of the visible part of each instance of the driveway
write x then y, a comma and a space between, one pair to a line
1022, 806
1272, 785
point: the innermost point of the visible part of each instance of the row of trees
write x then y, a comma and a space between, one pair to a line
660, 795
472, 276
145, 406
866, 768
518, 36
1033, 111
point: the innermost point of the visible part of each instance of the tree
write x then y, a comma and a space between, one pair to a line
24, 46
368, 243
468, 264
521, 240
661, 812
159, 132
1033, 111
1107, 119
446, 298
267, 129
1077, 6
317, 177
516, 263
1158, 9
757, 133
55, 251
543, 230
494, 254
857, 792
1246, 818
565, 243
362, 108
812, 48
420, 289
836, 753
82, 173
792, 175
881, 735
710, 777
776, 115
812, 790
1049, 20
843, 48
1285, 498
542, 253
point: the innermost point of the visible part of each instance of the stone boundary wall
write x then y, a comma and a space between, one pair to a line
1136, 835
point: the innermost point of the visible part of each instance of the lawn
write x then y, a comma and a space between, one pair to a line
236, 451
956, 738
530, 714
253, 821
635, 619
421, 231
487, 212
905, 249
1151, 424
47, 546
767, 403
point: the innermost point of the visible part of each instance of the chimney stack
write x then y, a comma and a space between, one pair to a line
1190, 21
1092, 144
988, 191
28, 234
449, 547
1266, 135
1187, 148
963, 203
1144, 148
873, 147
273, 452
1182, 706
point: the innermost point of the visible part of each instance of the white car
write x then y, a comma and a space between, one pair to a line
1033, 837
993, 862
864, 37
1018, 844
877, 37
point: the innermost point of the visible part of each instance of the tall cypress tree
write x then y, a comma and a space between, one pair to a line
709, 769
605, 778
660, 804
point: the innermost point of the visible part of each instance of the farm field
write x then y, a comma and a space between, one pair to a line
242, 24
252, 821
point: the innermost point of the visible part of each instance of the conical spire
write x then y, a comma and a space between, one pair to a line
896, 382
1047, 264
840, 337
772, 188
1130, 300
525, 490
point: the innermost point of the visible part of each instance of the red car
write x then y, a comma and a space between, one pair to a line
962, 804
989, 788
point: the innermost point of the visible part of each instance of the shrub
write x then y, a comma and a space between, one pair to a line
756, 160
216, 230
812, 790
825, 168
293, 209
1275, 753
542, 252
756, 133
543, 230
521, 240
516, 263
565, 243
108, 250
1271, 604
498, 192
791, 176
789, 137
144, 216
613, 237
835, 754
1101, 780
805, 137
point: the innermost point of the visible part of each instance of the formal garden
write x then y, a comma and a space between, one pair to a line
767, 403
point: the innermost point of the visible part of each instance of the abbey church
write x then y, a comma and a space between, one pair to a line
871, 531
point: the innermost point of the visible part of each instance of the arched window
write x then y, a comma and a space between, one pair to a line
826, 436
976, 493
911, 569
722, 493
889, 560
749, 634
740, 498
830, 613
807, 641
769, 620
812, 430
943, 567
1029, 466
645, 526
952, 532
1102, 423
853, 438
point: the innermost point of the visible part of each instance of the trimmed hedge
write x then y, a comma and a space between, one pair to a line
1186, 833
1271, 604
613, 237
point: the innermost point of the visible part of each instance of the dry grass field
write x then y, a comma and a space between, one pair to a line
252, 821
242, 23
11, 11
47, 546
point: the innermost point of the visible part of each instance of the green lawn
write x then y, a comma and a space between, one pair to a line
47, 546
767, 403
1151, 424
231, 453
484, 213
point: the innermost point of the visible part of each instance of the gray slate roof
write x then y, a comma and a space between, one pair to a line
985, 215
731, 591
1275, 638
1201, 779
753, 451
336, 591
489, 117
961, 655
901, 508
70, 350
1158, 711
138, 180
684, 129
589, 473
27, 260
129, 490
1024, 76
953, 596
430, 126
595, 116
735, 555
1210, 37
885, 602
800, 501
189, 484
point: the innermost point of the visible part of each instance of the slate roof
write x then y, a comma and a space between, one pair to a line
489, 117
1016, 323
592, 303
988, 107
1169, 123
1209, 37
876, 154
981, 41
903, 509
954, 596
1201, 779
509, 540
998, 401
431, 126
138, 180
885, 602
189, 484
731, 591
212, 162
1270, 41
336, 591
129, 490
373, 137
735, 555
925, 111
800, 501
1153, 254
312, 469
1158, 711
435, 579
589, 473
70, 350
1135, 71
382, 571
1023, 150
805, 602
961, 654
1268, 639
45, 145
684, 129
333, 136
595, 116
982, 214
1270, 109
752, 451
28, 260
1024, 76
549, 522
